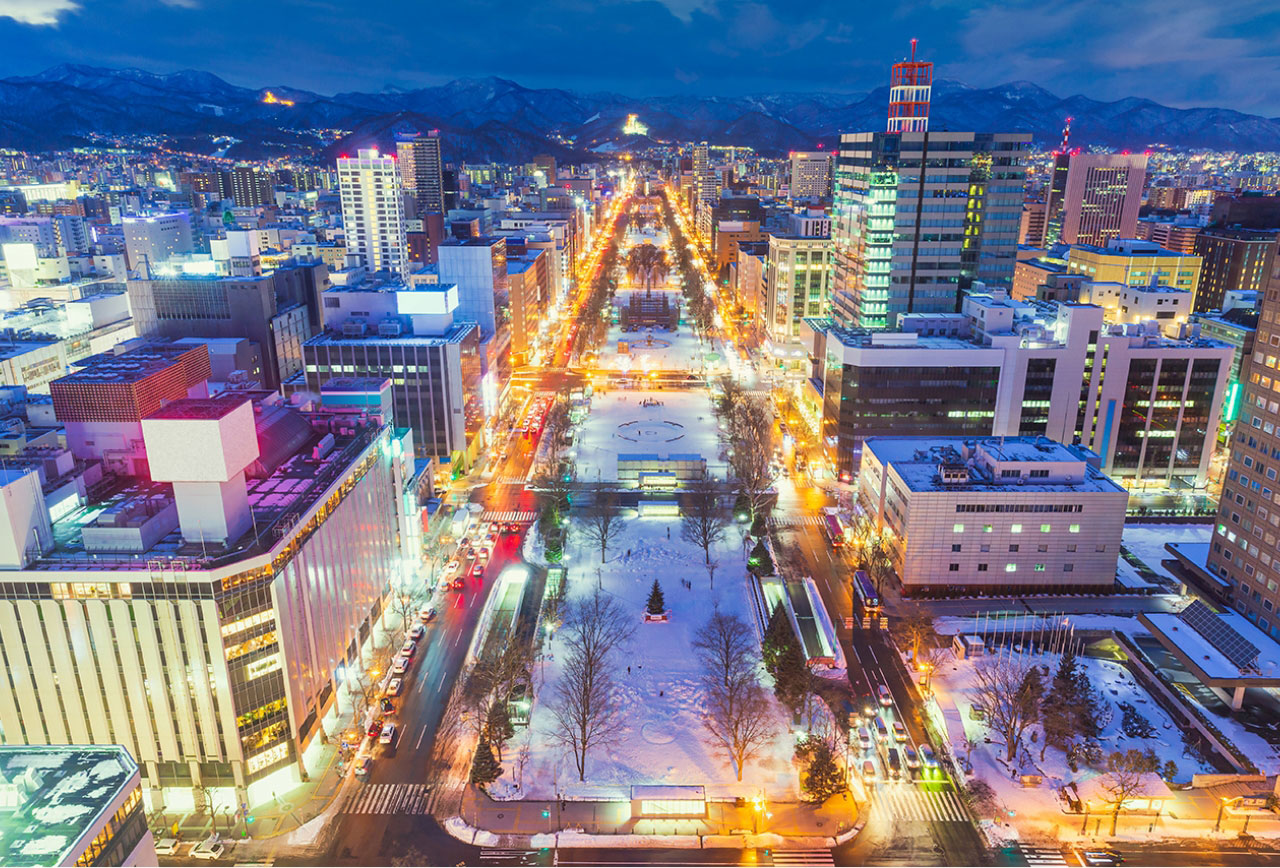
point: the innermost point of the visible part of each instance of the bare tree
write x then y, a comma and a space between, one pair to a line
365, 681
751, 444
1126, 777
730, 661
602, 520
586, 708
1009, 688
703, 520
873, 552
403, 606
915, 628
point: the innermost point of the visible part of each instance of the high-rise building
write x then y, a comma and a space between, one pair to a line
909, 240
1232, 259
421, 171
478, 266
251, 186
706, 179
1246, 545
797, 284
372, 212
810, 175
1101, 200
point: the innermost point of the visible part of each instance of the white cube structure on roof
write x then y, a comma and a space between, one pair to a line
203, 447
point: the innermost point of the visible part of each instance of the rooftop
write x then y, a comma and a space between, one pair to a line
51, 796
199, 408
131, 366
1207, 655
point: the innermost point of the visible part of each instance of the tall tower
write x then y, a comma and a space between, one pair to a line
421, 171
909, 88
372, 212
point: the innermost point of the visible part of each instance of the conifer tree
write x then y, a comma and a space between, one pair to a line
657, 603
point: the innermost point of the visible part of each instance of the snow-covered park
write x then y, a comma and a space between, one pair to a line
630, 421
662, 739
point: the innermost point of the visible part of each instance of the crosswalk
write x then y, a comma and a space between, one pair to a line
803, 857
391, 799
1043, 855
512, 480
911, 803
525, 515
794, 520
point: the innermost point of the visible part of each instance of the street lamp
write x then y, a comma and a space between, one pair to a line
758, 814
1222, 806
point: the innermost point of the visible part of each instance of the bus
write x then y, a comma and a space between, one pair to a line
834, 527
868, 599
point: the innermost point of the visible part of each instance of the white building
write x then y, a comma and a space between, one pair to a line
810, 174
151, 240
797, 284
1009, 515
1168, 306
372, 211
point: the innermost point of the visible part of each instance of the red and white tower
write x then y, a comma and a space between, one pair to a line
909, 89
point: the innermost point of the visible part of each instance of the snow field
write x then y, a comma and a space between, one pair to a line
680, 422
662, 739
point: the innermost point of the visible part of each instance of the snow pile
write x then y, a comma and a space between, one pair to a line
662, 740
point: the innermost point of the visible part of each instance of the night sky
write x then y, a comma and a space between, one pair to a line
1177, 52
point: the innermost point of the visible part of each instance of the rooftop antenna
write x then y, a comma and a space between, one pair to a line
1066, 134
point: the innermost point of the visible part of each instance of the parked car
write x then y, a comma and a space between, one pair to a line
395, 686
375, 727
886, 698
899, 732
386, 705
167, 847
408, 649
364, 765
388, 734
913, 759
427, 615
210, 848
400, 666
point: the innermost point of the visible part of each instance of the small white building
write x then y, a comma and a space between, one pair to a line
996, 515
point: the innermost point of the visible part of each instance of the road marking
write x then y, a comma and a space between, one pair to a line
421, 736
803, 857
441, 685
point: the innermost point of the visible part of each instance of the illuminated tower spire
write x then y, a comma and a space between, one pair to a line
909, 89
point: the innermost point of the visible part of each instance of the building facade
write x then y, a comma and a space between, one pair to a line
1233, 259
372, 211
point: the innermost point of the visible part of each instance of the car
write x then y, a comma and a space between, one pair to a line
386, 705
869, 770
1102, 857
388, 734
895, 763
864, 738
458, 584
395, 686
886, 698
417, 631
400, 666
428, 614
452, 566
167, 847
375, 727
490, 540
463, 543
408, 649
868, 703
913, 758
210, 848
882, 731
477, 571
899, 732
483, 554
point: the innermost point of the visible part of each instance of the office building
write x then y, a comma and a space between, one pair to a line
478, 267
810, 175
1168, 306
72, 806
1101, 200
984, 515
1177, 233
914, 241
414, 336
206, 614
372, 211
151, 240
421, 168
1135, 263
528, 294
797, 284
1002, 367
1235, 325
1233, 259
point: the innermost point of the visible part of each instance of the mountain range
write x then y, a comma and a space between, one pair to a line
497, 119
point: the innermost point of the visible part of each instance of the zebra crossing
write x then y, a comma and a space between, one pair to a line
925, 806
1043, 855
803, 857
518, 515
391, 799
512, 480
794, 520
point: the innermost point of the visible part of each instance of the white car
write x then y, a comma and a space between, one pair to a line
388, 734
167, 847
210, 848
394, 686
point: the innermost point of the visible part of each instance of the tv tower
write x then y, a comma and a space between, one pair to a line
909, 88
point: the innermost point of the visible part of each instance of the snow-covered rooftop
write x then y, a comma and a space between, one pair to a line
1204, 658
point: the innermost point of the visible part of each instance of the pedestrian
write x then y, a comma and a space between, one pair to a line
659, 693
668, 531
628, 670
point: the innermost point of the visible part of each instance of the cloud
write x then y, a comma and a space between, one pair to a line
182, 4
37, 13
